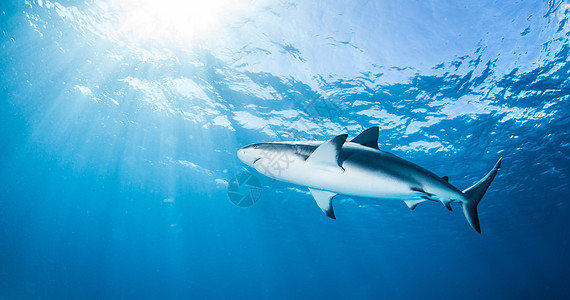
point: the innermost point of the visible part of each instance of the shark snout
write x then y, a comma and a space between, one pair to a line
247, 155
242, 154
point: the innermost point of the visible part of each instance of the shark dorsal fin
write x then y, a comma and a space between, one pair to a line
324, 201
327, 154
368, 138
445, 178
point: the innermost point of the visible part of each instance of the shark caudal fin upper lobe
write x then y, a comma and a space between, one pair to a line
474, 195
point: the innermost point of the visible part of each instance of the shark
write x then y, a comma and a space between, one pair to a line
359, 168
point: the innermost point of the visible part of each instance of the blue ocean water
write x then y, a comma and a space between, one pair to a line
121, 121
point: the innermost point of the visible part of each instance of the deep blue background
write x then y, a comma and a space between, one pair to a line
127, 200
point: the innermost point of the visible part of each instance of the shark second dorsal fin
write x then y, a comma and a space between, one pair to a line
327, 154
324, 201
368, 138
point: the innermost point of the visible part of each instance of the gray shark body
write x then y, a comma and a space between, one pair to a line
359, 168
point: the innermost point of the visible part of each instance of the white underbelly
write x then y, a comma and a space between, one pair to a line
351, 182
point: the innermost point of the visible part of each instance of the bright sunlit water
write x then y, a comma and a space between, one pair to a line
120, 122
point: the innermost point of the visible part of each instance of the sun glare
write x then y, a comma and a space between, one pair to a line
173, 20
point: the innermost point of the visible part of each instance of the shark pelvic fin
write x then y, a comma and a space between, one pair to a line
324, 201
368, 138
326, 156
413, 203
474, 195
448, 205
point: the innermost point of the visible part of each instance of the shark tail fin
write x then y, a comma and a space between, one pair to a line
474, 195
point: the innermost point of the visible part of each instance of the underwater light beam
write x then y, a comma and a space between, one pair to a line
172, 20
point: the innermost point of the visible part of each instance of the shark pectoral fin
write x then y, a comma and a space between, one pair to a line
413, 203
324, 201
326, 156
368, 138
